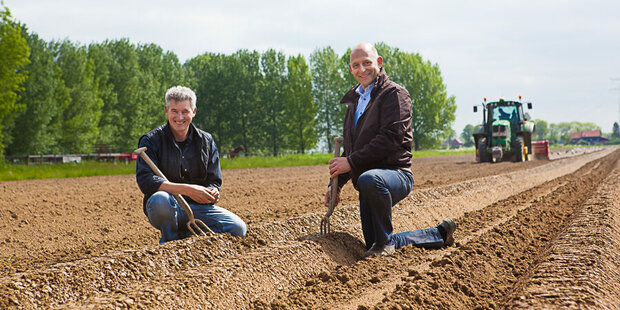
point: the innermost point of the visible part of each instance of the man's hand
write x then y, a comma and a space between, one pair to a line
338, 165
328, 195
201, 194
198, 193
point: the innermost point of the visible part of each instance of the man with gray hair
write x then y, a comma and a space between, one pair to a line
377, 156
188, 157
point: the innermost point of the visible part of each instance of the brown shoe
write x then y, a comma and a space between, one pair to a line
375, 249
448, 227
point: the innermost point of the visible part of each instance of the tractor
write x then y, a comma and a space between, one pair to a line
506, 132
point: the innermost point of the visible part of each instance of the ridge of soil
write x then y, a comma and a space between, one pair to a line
71, 244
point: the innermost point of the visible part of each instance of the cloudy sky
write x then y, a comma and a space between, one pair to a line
560, 55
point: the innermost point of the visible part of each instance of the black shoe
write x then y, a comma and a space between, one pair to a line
375, 249
448, 226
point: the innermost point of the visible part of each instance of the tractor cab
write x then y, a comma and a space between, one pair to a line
505, 130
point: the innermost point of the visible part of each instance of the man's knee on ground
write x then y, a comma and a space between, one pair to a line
239, 229
159, 209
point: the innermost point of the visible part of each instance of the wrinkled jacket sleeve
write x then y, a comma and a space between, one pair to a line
214, 173
147, 180
394, 120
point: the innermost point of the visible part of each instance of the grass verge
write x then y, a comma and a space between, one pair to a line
94, 168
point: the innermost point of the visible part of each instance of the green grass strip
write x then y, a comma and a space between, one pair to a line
94, 168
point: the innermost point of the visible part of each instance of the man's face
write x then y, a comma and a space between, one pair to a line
365, 66
180, 115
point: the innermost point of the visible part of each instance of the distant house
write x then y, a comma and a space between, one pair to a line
588, 136
455, 143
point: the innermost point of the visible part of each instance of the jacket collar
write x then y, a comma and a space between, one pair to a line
352, 95
190, 132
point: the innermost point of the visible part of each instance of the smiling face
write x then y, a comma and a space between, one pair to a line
180, 115
365, 64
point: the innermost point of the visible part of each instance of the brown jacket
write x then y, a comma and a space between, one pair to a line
382, 137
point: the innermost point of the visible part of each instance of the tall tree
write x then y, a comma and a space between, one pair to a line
248, 99
125, 116
36, 129
433, 110
273, 66
81, 113
328, 87
159, 72
14, 53
467, 135
542, 129
300, 108
616, 130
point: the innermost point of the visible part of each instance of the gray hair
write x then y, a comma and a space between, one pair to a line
181, 93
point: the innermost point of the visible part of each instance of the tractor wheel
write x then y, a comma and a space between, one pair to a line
483, 154
520, 150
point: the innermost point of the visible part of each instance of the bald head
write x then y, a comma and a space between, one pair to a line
366, 48
365, 64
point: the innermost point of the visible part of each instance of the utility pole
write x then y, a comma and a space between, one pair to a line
618, 89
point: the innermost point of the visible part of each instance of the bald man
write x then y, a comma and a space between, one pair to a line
377, 156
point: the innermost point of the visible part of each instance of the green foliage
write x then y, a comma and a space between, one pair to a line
81, 107
104, 96
300, 110
14, 53
467, 135
615, 131
328, 86
37, 127
560, 133
273, 65
541, 129
433, 110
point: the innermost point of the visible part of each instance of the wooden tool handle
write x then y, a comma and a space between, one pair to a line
334, 181
142, 153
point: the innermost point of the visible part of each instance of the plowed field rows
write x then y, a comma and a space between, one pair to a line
540, 234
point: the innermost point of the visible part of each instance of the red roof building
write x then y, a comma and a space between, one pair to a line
588, 136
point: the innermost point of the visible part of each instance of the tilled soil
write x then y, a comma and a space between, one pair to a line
540, 234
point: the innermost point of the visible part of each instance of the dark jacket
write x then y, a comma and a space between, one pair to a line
198, 158
383, 136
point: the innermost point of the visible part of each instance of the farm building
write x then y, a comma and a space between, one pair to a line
588, 136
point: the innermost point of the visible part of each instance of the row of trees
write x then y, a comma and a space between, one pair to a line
62, 97
556, 133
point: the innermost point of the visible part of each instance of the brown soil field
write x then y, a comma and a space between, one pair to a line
539, 234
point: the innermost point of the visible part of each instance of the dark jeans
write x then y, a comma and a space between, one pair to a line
379, 191
167, 215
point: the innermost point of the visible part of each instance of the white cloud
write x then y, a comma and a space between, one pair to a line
559, 54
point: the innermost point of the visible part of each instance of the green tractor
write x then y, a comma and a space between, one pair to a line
506, 132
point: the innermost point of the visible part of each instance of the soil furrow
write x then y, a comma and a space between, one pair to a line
484, 270
332, 294
283, 263
582, 268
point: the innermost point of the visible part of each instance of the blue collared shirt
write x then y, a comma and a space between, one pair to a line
363, 101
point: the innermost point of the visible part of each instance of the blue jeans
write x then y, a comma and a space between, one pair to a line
379, 191
167, 215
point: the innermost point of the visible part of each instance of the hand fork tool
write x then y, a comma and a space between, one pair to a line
192, 222
325, 225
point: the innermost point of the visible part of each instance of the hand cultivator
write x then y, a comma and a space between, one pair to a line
325, 225
192, 222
